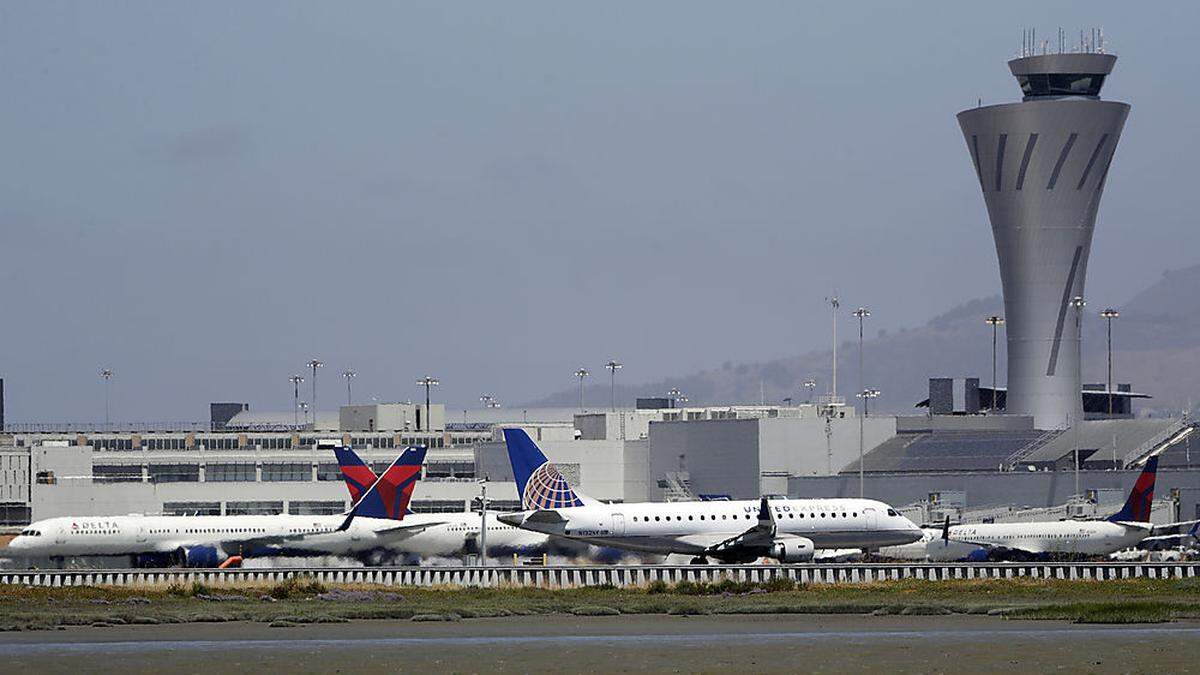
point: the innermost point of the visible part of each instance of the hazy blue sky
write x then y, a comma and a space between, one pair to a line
205, 195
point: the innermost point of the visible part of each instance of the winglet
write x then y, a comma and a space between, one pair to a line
1141, 497
946, 530
764, 512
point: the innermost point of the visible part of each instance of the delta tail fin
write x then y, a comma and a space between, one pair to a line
355, 472
1137, 507
540, 484
388, 497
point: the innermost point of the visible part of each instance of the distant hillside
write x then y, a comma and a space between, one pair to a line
1156, 339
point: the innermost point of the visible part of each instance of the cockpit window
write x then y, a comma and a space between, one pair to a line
891, 512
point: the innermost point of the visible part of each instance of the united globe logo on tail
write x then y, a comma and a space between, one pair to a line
539, 482
547, 489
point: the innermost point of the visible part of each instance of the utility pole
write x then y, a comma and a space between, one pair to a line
581, 373
862, 313
1110, 314
428, 382
314, 364
613, 366
994, 322
349, 375
865, 395
833, 307
483, 503
107, 374
296, 380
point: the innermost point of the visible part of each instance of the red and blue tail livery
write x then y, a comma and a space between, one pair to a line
539, 482
1141, 497
358, 476
388, 497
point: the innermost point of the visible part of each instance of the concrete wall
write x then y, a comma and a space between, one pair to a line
721, 456
746, 458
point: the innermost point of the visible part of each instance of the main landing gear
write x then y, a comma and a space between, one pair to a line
699, 560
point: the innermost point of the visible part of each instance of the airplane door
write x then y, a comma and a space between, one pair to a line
141, 534
872, 518
618, 524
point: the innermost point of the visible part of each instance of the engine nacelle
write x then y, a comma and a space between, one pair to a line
201, 556
793, 550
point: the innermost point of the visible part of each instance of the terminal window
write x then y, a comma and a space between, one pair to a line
439, 506
230, 472
218, 443
286, 472
328, 471
253, 508
174, 473
191, 508
316, 508
117, 473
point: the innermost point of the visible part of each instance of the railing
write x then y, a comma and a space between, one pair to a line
1032, 447
102, 427
1156, 440
619, 576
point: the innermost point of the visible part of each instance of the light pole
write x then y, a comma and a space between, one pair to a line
862, 313
483, 504
428, 382
865, 395
107, 374
349, 375
296, 380
613, 367
994, 322
581, 373
1110, 314
314, 364
304, 409
676, 396
833, 308
1078, 303
810, 385
489, 401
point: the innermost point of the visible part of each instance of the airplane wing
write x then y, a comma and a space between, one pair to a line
1170, 535
1183, 527
401, 531
760, 536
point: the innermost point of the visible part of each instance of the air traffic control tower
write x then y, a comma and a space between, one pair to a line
1041, 165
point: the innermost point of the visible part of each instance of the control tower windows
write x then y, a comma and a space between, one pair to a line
1060, 84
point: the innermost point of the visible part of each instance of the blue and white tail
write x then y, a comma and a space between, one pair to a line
1141, 497
539, 482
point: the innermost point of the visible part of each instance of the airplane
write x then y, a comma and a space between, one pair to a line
448, 534
789, 530
1128, 527
210, 541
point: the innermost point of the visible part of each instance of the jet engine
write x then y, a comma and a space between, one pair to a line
793, 550
200, 556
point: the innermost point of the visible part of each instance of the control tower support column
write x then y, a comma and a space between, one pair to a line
1042, 164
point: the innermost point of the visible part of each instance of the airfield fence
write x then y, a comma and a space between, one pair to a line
618, 576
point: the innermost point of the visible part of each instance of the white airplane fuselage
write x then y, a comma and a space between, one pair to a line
1079, 537
447, 534
687, 527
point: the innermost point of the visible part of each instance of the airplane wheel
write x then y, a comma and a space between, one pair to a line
699, 560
